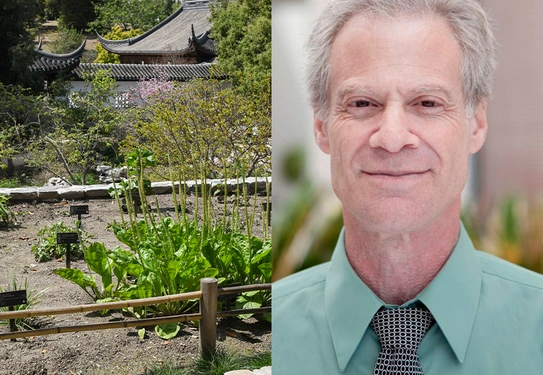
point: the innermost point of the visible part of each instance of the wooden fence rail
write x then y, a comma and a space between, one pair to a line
208, 294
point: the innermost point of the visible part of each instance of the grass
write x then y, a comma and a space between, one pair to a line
222, 362
16, 182
32, 298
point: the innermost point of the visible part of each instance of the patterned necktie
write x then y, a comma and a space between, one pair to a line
400, 331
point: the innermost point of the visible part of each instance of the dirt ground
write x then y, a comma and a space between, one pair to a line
114, 351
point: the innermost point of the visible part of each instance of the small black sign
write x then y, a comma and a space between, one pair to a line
79, 210
66, 238
14, 298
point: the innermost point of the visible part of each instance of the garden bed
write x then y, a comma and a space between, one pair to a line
117, 351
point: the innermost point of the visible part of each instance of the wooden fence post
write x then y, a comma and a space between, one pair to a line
208, 310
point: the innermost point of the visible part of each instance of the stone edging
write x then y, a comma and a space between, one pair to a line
80, 192
263, 371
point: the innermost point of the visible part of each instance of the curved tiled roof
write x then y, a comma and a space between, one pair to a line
170, 36
51, 62
136, 72
204, 43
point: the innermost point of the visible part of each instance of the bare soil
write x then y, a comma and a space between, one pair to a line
114, 351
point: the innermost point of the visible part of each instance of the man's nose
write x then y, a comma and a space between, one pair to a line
393, 131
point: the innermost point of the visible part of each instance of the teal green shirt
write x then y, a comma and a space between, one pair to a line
488, 312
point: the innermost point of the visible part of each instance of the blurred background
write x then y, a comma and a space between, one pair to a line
503, 200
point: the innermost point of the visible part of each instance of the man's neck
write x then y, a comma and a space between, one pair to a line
398, 267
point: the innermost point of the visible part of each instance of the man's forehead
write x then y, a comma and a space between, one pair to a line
364, 21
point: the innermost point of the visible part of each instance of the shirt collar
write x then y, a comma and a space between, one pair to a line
452, 298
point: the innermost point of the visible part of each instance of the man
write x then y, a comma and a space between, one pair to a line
399, 90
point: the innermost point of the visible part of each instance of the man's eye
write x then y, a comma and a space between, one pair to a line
428, 103
361, 103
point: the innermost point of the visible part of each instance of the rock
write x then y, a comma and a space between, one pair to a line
263, 371
26, 194
72, 192
109, 174
239, 372
48, 192
97, 191
163, 187
57, 181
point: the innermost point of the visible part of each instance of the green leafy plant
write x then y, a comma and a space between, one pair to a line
171, 257
32, 299
46, 247
133, 190
6, 215
97, 261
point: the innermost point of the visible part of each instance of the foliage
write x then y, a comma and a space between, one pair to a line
15, 182
202, 129
170, 256
19, 115
131, 14
510, 229
97, 261
222, 362
242, 32
16, 45
116, 33
46, 247
136, 162
7, 216
76, 14
50, 9
307, 209
81, 129
67, 40
32, 299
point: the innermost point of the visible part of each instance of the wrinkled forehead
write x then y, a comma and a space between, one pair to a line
403, 40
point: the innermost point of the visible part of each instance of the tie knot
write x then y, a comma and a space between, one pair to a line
401, 327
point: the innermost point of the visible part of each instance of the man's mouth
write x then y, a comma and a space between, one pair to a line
387, 173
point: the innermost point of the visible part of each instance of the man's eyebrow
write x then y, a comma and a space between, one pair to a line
433, 89
350, 89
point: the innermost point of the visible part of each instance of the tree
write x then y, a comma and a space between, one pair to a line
131, 14
116, 33
76, 14
202, 129
66, 41
79, 131
16, 43
19, 114
242, 32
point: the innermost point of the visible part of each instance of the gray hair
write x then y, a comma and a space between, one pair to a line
467, 19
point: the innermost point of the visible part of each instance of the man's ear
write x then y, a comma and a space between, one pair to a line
321, 134
478, 128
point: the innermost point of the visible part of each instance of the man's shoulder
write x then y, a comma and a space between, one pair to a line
497, 268
300, 282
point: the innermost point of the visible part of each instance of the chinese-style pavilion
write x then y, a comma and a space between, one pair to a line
51, 65
182, 38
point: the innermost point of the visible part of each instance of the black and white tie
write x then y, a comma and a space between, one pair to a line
400, 331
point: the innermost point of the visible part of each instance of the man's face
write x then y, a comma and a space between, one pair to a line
397, 131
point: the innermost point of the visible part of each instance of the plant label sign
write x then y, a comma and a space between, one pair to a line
79, 210
14, 298
67, 238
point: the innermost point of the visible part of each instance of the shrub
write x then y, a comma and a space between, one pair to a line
67, 40
202, 129
46, 248
6, 215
